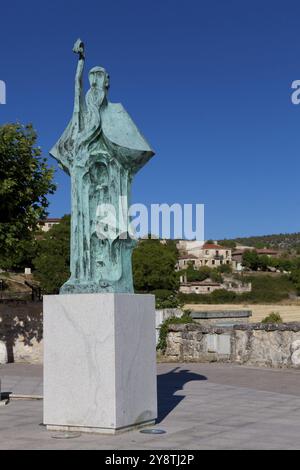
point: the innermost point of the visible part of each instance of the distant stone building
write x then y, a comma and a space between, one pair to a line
202, 254
47, 224
237, 258
214, 255
237, 255
208, 286
184, 261
200, 287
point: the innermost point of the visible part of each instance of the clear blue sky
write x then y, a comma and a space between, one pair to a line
207, 82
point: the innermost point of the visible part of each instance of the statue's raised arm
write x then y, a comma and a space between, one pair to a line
79, 96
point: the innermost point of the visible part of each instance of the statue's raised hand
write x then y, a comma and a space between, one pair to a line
79, 48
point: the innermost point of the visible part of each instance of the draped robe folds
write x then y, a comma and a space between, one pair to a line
101, 157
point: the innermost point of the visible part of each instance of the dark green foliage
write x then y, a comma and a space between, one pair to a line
250, 260
268, 289
162, 342
53, 259
165, 299
198, 274
216, 276
201, 274
295, 279
25, 182
223, 296
273, 318
154, 266
225, 269
254, 262
282, 263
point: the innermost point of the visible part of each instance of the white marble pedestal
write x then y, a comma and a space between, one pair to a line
99, 362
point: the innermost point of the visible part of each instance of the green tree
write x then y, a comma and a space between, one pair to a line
263, 262
154, 266
250, 260
295, 278
225, 268
200, 274
25, 182
53, 259
216, 276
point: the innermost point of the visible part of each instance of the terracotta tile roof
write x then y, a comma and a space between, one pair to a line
266, 251
213, 246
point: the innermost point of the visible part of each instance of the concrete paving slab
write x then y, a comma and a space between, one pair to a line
201, 406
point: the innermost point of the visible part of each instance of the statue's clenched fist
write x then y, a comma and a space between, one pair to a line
79, 48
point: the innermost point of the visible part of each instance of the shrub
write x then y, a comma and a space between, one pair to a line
225, 268
200, 274
223, 296
165, 298
162, 342
274, 317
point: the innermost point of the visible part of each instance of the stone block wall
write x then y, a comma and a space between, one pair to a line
253, 344
21, 332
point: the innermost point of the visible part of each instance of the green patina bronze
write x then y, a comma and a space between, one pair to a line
101, 150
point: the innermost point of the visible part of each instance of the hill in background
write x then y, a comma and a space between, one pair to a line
282, 241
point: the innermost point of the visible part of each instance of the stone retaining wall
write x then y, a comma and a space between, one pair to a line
21, 331
257, 344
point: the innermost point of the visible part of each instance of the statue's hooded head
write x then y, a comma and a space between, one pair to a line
99, 78
96, 97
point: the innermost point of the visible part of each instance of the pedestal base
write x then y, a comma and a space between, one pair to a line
99, 430
99, 362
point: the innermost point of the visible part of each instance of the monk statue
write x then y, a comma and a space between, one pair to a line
101, 150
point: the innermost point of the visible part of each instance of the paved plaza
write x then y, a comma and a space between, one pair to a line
201, 406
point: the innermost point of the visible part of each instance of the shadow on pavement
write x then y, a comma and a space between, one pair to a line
168, 384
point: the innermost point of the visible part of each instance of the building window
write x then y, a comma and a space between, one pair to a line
213, 262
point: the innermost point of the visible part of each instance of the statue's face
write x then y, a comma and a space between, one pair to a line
98, 79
